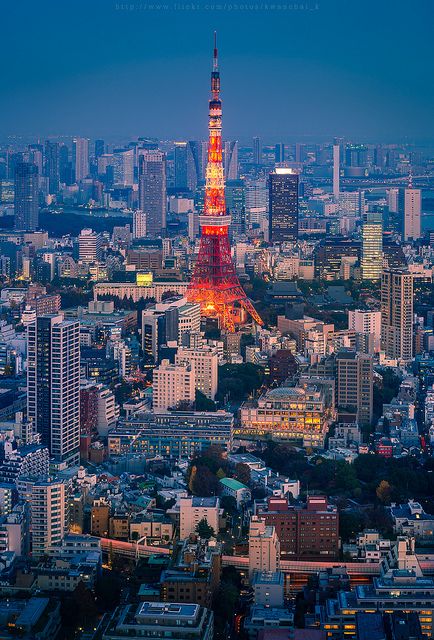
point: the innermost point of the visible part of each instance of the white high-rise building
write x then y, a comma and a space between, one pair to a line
393, 199
412, 213
204, 362
48, 514
53, 385
366, 322
89, 246
172, 385
80, 154
264, 547
256, 201
139, 224
194, 509
107, 411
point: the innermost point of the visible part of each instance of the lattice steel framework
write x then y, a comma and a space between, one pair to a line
215, 284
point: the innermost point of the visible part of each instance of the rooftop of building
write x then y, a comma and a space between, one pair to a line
233, 484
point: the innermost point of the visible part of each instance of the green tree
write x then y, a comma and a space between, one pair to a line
202, 403
204, 530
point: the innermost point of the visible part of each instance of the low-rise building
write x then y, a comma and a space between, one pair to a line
159, 620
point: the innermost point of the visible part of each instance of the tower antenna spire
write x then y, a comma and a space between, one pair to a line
215, 58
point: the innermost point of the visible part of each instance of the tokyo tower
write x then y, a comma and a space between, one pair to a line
215, 284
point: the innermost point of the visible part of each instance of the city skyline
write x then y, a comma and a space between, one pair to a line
328, 69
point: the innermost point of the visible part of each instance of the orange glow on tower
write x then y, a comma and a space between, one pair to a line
215, 284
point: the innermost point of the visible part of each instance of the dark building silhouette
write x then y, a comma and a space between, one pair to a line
26, 196
152, 190
283, 205
52, 168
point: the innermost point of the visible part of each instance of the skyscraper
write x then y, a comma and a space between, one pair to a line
52, 170
123, 166
181, 165
411, 213
53, 385
283, 205
236, 204
257, 151
99, 148
336, 171
139, 224
354, 384
397, 314
80, 155
26, 196
89, 246
372, 246
300, 152
152, 190
279, 153
231, 160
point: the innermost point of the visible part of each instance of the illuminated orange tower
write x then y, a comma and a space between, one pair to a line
214, 283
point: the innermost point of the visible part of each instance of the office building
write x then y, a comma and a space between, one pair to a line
178, 434
52, 169
336, 171
256, 201
139, 224
26, 194
99, 148
231, 160
235, 204
368, 323
264, 547
152, 190
48, 514
53, 385
123, 166
283, 205
397, 314
193, 510
354, 384
167, 322
173, 385
204, 362
89, 246
308, 532
257, 151
279, 153
372, 246
80, 158
171, 621
412, 207
287, 413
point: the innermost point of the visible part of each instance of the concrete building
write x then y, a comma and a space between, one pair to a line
80, 158
309, 532
194, 509
236, 490
159, 620
283, 205
397, 314
204, 362
354, 384
48, 514
288, 413
268, 588
264, 547
366, 322
412, 213
89, 246
172, 385
53, 385
372, 246
139, 224
26, 196
152, 190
